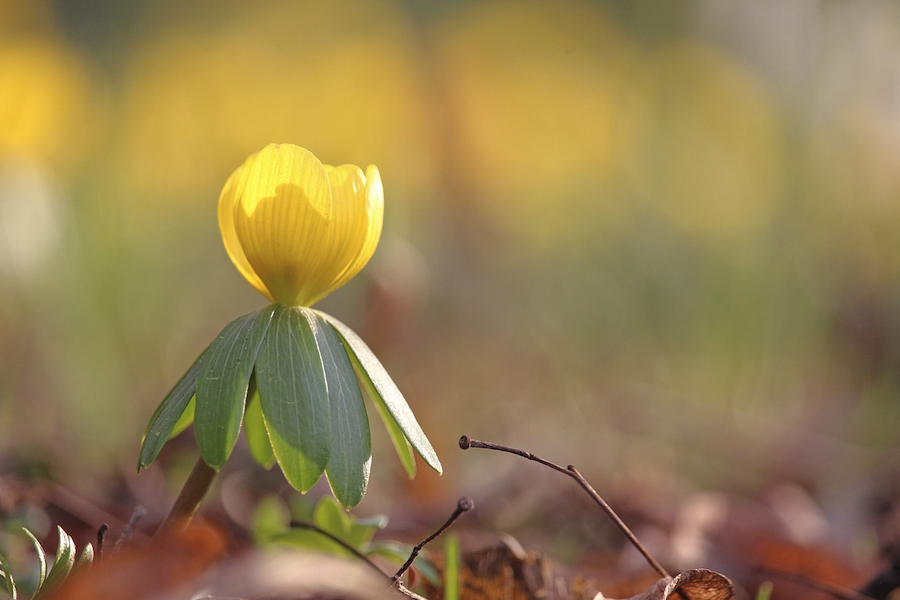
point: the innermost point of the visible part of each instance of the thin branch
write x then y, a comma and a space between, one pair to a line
464, 504
395, 584
101, 536
128, 530
339, 542
465, 442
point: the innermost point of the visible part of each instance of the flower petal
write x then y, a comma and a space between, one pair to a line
282, 220
228, 201
366, 207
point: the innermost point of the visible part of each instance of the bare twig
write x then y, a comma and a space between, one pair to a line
128, 530
339, 542
465, 442
101, 536
464, 504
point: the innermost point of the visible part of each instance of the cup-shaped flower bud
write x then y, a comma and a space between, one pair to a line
297, 229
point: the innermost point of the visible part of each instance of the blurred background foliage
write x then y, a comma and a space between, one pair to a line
644, 238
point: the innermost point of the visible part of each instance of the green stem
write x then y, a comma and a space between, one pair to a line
192, 494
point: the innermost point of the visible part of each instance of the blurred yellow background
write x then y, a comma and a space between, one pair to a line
632, 236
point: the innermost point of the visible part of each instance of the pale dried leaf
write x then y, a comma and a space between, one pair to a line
693, 584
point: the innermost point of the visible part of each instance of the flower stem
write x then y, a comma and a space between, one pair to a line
192, 494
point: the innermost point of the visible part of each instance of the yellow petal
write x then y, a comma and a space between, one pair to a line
227, 204
282, 221
362, 198
297, 229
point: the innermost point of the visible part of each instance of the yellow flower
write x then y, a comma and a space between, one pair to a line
297, 229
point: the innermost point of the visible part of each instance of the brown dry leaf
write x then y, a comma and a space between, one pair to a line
693, 584
505, 571
142, 573
501, 571
192, 564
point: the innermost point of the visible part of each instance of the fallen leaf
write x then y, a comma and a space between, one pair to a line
140, 573
693, 584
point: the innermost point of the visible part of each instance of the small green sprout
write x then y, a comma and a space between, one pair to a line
63, 565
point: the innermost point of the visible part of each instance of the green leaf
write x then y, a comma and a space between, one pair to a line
186, 418
168, 414
41, 556
9, 583
294, 397
351, 447
330, 517
222, 385
398, 553
255, 430
310, 540
395, 552
451, 568
401, 444
271, 518
764, 591
427, 570
62, 566
376, 378
363, 530
87, 557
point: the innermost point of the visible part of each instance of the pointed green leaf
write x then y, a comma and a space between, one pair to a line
9, 583
270, 518
351, 452
363, 530
308, 539
186, 418
168, 413
398, 553
395, 553
62, 566
373, 373
330, 517
401, 444
294, 397
222, 384
41, 556
255, 430
398, 438
87, 557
